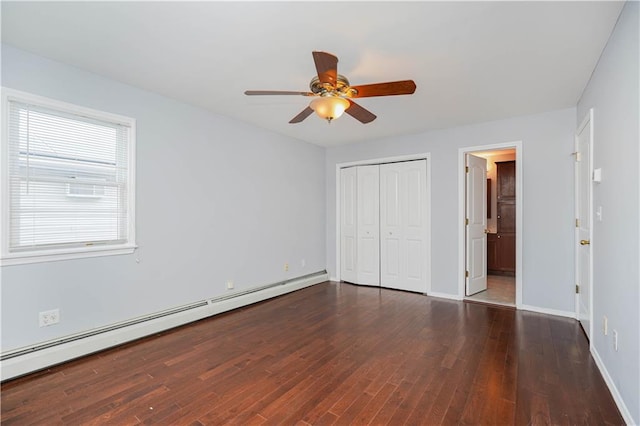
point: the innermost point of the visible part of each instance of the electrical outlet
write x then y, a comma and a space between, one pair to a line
303, 263
615, 340
286, 267
230, 285
605, 325
47, 318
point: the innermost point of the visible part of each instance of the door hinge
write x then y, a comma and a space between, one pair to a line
577, 223
466, 221
466, 274
577, 289
466, 169
578, 156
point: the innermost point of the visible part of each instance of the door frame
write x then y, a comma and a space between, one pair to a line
517, 146
373, 161
588, 119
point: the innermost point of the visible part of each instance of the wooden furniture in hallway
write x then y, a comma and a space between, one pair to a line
501, 247
332, 353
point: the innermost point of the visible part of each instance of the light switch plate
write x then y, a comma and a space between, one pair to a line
597, 175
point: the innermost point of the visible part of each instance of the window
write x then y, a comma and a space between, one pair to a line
68, 181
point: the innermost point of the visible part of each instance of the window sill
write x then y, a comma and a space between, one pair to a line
57, 255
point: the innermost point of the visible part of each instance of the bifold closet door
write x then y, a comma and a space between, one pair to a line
368, 225
403, 227
348, 223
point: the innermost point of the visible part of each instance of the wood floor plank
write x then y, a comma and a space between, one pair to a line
333, 353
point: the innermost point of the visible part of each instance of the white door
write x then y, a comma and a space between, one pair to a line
584, 167
403, 227
476, 225
391, 232
368, 225
348, 216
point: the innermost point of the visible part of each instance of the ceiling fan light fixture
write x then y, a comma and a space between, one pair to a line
329, 107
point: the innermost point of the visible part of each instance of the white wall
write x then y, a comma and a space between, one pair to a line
547, 166
217, 200
613, 93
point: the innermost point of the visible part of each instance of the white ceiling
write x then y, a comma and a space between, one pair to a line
471, 61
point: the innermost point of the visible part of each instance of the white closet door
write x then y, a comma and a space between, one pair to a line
403, 226
348, 227
368, 225
414, 201
390, 226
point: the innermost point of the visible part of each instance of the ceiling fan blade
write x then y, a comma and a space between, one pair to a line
359, 113
304, 114
327, 67
404, 87
276, 92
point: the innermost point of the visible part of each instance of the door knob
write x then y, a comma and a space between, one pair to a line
486, 231
585, 242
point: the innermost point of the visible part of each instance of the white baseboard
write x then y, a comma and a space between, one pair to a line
626, 415
444, 295
568, 314
334, 279
40, 359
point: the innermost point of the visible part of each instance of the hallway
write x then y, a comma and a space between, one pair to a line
501, 290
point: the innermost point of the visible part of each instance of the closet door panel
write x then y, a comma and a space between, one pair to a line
403, 229
348, 221
390, 226
391, 260
415, 210
368, 225
414, 227
415, 269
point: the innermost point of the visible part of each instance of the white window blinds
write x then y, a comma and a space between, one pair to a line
68, 183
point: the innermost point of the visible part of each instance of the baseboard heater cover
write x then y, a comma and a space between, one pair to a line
26, 360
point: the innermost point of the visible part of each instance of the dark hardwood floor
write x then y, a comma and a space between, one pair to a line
332, 354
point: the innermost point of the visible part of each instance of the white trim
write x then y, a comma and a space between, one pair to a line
37, 256
517, 145
9, 94
556, 312
624, 411
422, 156
33, 361
444, 296
70, 254
334, 279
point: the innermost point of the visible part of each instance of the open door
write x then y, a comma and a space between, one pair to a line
476, 225
583, 193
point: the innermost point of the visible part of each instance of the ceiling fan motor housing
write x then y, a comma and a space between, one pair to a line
341, 87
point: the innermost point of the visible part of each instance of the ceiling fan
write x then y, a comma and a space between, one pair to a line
333, 93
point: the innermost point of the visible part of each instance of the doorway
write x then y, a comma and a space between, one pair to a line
490, 198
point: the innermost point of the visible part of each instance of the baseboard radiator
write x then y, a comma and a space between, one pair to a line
19, 362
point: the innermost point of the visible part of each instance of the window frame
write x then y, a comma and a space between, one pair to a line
63, 253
